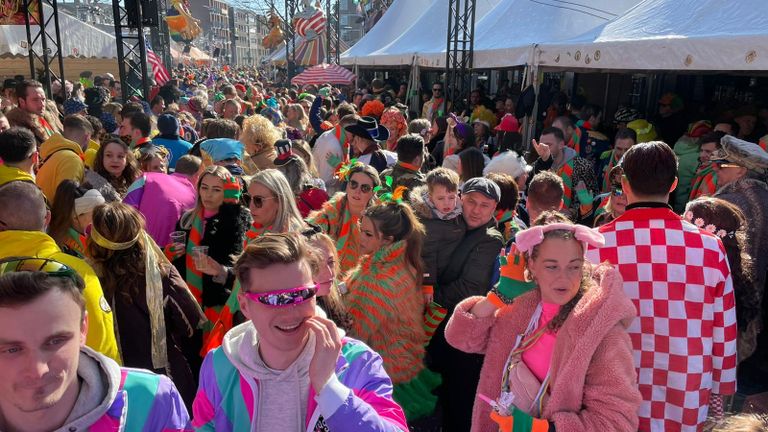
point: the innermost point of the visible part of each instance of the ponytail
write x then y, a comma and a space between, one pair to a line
397, 220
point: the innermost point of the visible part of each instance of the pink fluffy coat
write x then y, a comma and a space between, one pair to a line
593, 380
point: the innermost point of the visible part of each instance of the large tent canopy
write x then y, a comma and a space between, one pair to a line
78, 39
679, 35
427, 35
397, 20
504, 36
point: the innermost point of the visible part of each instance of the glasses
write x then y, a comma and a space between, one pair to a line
282, 298
31, 264
257, 201
617, 192
364, 188
437, 89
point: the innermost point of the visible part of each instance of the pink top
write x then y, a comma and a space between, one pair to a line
538, 356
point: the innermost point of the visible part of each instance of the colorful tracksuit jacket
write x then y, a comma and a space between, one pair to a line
228, 396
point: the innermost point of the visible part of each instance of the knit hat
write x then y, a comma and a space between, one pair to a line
88, 201
74, 106
221, 149
481, 184
240, 87
644, 130
232, 190
742, 153
626, 115
284, 150
699, 129
508, 123
272, 114
109, 122
168, 125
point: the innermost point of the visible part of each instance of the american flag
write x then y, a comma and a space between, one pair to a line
159, 71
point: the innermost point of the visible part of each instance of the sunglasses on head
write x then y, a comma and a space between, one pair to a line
257, 201
616, 191
32, 264
287, 297
726, 164
364, 188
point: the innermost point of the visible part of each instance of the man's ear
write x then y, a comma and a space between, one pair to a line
84, 329
674, 185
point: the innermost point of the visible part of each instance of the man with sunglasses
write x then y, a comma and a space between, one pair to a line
288, 368
49, 379
437, 106
22, 232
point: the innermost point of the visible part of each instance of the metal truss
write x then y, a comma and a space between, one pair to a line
44, 32
160, 37
291, 8
459, 53
333, 32
131, 52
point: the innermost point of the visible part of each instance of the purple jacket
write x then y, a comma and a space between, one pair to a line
162, 199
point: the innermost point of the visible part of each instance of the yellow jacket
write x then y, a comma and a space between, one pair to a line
9, 174
63, 160
90, 153
101, 333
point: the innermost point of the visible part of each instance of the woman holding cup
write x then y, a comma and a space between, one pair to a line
215, 230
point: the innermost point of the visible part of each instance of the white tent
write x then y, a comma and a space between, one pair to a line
679, 35
505, 36
426, 38
78, 39
398, 18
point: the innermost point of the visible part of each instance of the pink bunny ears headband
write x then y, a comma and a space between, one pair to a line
526, 240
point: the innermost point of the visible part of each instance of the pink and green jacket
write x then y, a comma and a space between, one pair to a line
226, 398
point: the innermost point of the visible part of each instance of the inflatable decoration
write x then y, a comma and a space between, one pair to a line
182, 26
310, 27
275, 35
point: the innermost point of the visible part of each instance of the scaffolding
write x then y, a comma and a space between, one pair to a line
131, 49
459, 52
43, 31
291, 8
333, 32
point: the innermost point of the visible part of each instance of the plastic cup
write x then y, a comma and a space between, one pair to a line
179, 237
198, 255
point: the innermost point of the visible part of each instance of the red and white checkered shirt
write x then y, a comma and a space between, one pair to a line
684, 339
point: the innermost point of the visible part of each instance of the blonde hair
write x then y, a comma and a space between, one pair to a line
288, 218
214, 170
258, 132
745, 422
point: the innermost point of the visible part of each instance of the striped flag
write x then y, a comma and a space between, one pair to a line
159, 71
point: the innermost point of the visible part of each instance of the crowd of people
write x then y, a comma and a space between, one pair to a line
234, 254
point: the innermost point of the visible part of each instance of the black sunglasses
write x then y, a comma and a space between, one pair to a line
364, 188
257, 201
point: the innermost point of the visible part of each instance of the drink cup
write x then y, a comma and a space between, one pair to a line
199, 254
179, 237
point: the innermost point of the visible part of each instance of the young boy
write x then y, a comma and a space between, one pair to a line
438, 208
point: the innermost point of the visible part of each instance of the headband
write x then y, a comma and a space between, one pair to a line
108, 244
88, 201
526, 240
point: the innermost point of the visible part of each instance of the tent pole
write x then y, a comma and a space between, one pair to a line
605, 96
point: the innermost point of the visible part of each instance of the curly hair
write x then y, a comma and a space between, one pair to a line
129, 174
258, 132
372, 108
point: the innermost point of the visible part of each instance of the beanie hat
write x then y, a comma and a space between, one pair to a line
109, 122
168, 125
73, 106
232, 190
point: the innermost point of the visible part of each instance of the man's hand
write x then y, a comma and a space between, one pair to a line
327, 349
542, 150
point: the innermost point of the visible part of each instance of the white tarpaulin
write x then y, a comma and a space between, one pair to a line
78, 39
398, 18
426, 38
679, 35
505, 36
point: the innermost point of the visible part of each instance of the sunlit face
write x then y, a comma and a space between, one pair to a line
326, 275
477, 209
392, 125
34, 102
371, 240
706, 151
127, 129
567, 131
230, 111
81, 221
267, 213
558, 269
211, 192
443, 199
282, 331
115, 159
618, 204
726, 175
357, 198
39, 359
621, 146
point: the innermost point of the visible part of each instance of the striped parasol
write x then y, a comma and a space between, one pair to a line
324, 73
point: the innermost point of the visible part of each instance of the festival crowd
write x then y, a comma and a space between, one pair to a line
233, 254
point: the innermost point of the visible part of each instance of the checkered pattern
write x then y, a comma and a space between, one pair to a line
684, 339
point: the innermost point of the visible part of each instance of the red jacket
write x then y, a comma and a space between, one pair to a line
592, 378
311, 199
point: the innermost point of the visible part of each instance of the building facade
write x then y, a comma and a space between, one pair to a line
248, 29
216, 39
